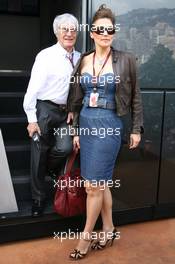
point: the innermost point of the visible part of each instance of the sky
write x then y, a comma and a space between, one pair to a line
123, 6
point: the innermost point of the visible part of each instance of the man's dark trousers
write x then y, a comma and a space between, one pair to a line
52, 149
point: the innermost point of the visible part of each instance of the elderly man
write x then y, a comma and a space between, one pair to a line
45, 106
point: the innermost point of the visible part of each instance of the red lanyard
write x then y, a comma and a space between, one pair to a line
107, 57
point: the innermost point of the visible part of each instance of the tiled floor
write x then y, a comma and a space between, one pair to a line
143, 243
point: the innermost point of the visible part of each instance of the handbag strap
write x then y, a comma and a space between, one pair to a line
71, 161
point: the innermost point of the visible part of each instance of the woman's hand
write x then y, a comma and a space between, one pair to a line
134, 140
70, 117
76, 142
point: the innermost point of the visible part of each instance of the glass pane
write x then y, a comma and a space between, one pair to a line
3, 5
30, 6
14, 5
147, 29
150, 35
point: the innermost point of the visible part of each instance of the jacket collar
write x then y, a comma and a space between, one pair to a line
115, 54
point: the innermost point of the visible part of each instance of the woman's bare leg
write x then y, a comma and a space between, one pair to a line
93, 208
106, 211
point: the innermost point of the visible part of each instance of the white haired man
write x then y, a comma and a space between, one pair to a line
45, 106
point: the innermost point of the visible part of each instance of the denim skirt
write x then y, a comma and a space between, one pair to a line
100, 141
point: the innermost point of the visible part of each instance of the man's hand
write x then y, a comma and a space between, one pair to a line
70, 117
32, 128
134, 140
76, 142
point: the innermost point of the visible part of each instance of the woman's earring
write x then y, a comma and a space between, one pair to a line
92, 37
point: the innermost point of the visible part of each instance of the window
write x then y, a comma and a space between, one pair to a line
150, 35
23, 7
147, 29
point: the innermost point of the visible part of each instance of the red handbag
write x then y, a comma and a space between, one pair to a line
70, 196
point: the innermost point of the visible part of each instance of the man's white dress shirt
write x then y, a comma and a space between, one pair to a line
49, 79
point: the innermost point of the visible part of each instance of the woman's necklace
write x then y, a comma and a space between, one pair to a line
100, 61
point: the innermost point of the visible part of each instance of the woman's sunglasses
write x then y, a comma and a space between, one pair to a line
100, 30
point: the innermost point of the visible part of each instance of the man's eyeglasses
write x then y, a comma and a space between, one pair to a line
101, 29
68, 29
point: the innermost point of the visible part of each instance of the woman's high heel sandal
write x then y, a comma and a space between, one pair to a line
76, 254
109, 242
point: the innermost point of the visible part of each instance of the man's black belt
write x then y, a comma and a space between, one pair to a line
62, 107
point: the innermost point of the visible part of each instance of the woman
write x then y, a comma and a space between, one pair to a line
98, 98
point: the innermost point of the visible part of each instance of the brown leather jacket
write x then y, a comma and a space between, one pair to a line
127, 97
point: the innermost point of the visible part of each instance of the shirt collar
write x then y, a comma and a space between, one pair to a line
64, 52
